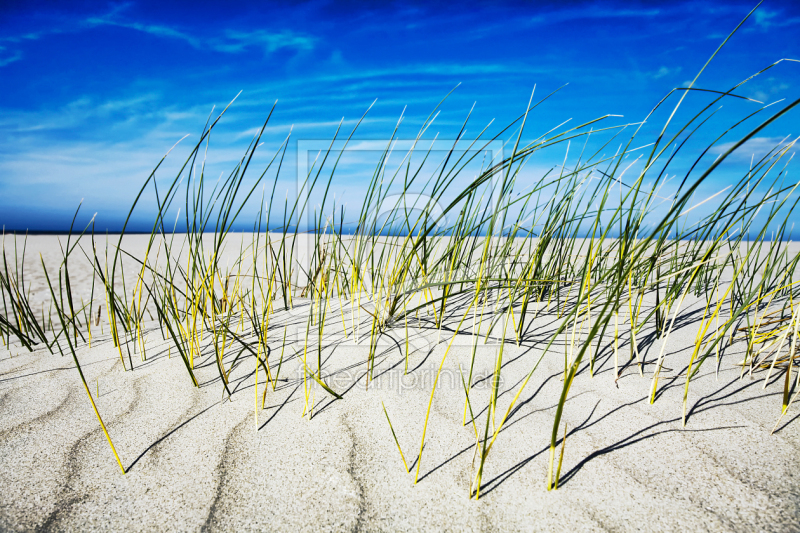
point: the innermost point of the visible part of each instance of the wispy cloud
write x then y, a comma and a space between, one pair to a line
152, 29
106, 172
664, 71
238, 41
766, 19
231, 41
7, 57
82, 111
228, 41
430, 69
768, 90
755, 148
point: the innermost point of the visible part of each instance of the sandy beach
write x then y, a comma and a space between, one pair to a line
198, 459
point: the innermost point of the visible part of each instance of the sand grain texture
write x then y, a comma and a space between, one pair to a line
196, 462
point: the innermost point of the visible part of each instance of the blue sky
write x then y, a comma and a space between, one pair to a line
93, 94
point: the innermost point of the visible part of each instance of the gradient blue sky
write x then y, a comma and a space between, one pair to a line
93, 94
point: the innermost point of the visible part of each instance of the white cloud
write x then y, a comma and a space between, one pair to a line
83, 111
238, 41
757, 147
106, 173
229, 41
766, 19
763, 17
160, 31
761, 96
664, 71
16, 55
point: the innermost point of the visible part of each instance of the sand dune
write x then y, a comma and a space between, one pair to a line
196, 459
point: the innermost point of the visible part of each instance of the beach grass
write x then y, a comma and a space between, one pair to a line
592, 243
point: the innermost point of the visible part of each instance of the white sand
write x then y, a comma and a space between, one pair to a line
196, 462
